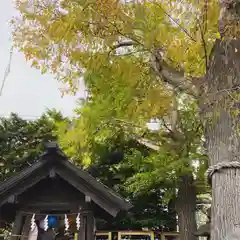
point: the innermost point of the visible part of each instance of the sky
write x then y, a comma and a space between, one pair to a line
26, 91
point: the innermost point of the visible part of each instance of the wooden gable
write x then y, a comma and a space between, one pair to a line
74, 183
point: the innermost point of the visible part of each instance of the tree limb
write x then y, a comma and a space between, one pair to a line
171, 76
174, 116
123, 44
168, 74
127, 43
204, 44
176, 22
148, 143
144, 141
174, 78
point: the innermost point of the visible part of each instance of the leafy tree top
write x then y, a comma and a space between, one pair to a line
98, 39
126, 52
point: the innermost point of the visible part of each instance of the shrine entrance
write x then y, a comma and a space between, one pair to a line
54, 199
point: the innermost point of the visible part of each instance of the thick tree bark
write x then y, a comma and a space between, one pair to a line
186, 208
221, 120
221, 113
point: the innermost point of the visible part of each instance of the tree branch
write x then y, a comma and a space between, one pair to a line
168, 74
174, 78
171, 76
144, 141
148, 143
127, 43
175, 21
204, 44
174, 116
123, 44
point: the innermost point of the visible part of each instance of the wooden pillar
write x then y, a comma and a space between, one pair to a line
83, 225
26, 227
90, 226
86, 231
17, 227
87, 228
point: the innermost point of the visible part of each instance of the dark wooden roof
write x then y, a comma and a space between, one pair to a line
54, 158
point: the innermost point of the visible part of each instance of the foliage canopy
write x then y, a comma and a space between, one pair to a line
124, 50
111, 44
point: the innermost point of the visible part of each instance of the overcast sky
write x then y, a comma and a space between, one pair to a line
26, 91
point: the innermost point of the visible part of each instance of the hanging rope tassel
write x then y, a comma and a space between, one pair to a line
33, 224
66, 223
78, 221
46, 223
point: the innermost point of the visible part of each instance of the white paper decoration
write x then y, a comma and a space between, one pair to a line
41, 224
33, 235
46, 223
66, 222
78, 221
33, 224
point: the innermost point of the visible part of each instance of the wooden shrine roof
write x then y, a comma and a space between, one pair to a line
54, 159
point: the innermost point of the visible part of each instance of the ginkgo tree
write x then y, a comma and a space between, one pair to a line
168, 167
136, 55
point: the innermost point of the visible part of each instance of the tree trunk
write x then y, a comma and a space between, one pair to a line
221, 117
172, 226
186, 208
220, 108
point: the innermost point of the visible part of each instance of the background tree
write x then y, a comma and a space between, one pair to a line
22, 140
112, 166
88, 35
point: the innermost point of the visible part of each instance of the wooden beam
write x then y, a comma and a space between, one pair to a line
90, 192
17, 227
26, 227
90, 226
23, 186
91, 183
53, 205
